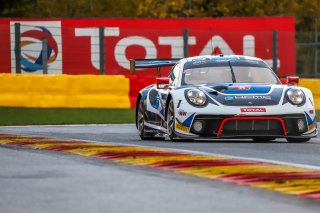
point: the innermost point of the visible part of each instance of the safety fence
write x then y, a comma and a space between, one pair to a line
106, 57
86, 91
104, 46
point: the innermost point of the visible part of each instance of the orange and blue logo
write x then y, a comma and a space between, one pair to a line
32, 60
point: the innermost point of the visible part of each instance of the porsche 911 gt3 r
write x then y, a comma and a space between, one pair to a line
225, 96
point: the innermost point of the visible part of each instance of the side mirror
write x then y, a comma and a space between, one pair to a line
162, 83
293, 80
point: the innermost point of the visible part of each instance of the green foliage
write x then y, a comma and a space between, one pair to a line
69, 8
305, 11
37, 116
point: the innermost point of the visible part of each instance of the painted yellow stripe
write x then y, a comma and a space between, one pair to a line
295, 187
95, 151
6, 141
146, 160
49, 145
213, 172
25, 139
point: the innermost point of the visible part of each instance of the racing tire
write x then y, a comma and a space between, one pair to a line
140, 123
171, 122
297, 140
263, 139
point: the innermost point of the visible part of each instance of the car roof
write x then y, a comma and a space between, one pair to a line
222, 60
222, 57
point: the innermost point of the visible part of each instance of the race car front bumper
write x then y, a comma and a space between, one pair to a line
227, 126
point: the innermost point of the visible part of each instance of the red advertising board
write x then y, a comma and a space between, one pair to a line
74, 47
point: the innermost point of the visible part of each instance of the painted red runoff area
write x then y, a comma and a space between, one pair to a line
114, 155
312, 195
248, 179
175, 165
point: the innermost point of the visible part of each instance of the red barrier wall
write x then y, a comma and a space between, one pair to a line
75, 42
137, 83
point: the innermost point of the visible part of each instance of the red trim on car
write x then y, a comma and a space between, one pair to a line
252, 118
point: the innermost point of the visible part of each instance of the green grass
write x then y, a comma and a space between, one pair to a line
36, 116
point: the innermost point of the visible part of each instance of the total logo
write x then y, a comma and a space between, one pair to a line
32, 63
253, 109
31, 36
175, 43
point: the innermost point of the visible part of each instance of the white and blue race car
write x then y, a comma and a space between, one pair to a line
224, 96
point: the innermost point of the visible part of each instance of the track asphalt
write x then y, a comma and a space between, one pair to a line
54, 181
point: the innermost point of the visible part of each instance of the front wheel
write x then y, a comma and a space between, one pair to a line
297, 140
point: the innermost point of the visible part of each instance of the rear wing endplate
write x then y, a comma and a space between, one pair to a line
150, 63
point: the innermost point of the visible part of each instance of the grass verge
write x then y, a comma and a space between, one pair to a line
37, 116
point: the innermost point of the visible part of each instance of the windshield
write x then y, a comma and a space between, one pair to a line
223, 74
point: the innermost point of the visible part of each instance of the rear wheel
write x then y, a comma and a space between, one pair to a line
141, 122
297, 140
171, 121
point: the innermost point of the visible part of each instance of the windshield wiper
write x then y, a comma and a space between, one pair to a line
232, 73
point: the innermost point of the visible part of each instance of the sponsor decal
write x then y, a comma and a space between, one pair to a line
253, 109
203, 61
228, 98
181, 127
241, 88
31, 37
253, 97
182, 112
312, 127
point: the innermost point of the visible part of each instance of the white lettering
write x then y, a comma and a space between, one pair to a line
248, 45
93, 33
120, 49
176, 43
216, 41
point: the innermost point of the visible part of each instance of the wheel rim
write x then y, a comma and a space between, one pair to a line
170, 118
140, 118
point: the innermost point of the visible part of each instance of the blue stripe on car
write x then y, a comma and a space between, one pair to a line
309, 119
188, 121
251, 90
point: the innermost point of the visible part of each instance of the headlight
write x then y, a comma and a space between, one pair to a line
196, 97
295, 96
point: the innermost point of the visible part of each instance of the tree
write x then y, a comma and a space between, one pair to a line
306, 12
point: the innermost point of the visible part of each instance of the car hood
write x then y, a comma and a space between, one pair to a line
241, 88
242, 94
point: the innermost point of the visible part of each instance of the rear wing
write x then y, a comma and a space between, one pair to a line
150, 63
